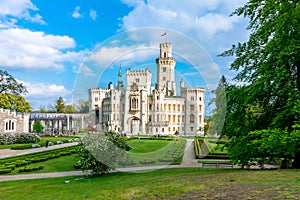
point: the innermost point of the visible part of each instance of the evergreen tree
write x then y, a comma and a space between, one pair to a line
60, 105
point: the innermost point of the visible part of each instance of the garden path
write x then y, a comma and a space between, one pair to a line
8, 152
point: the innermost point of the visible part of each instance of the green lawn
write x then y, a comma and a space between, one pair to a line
185, 183
155, 152
146, 146
61, 164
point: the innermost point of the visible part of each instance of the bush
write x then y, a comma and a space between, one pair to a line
18, 138
101, 152
23, 138
5, 171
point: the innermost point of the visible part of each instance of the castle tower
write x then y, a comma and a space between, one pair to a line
165, 70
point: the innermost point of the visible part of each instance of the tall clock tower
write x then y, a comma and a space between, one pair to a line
165, 70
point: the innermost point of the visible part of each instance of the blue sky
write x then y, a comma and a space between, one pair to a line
62, 47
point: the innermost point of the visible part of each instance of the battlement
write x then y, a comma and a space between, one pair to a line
137, 73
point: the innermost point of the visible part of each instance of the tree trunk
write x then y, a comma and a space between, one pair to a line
296, 163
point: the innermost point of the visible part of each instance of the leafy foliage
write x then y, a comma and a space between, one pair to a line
262, 113
101, 152
9, 85
18, 138
38, 127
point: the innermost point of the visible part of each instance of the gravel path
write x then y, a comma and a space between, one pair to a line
188, 159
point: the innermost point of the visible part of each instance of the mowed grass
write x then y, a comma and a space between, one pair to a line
146, 146
154, 152
61, 164
181, 183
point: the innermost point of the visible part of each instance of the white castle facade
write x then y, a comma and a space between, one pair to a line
139, 109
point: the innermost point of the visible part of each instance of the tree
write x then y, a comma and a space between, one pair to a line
60, 105
10, 94
216, 122
269, 66
101, 152
84, 106
38, 127
9, 85
14, 102
70, 109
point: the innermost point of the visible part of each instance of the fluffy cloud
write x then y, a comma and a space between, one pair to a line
76, 13
20, 10
126, 55
93, 14
25, 49
42, 90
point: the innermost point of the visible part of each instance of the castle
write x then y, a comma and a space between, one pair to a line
139, 109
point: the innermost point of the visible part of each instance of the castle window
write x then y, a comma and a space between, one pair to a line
174, 107
165, 54
96, 98
134, 103
192, 99
200, 99
164, 78
137, 80
200, 118
178, 107
200, 108
192, 129
192, 118
150, 118
192, 107
10, 125
150, 106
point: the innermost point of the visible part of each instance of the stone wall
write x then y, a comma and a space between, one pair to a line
11, 122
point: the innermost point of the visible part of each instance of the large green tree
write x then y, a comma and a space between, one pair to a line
266, 102
10, 93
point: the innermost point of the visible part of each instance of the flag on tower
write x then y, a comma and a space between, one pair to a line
164, 34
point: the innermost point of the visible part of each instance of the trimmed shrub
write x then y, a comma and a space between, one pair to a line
5, 171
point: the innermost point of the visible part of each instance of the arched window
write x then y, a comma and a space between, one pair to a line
134, 103
192, 118
165, 54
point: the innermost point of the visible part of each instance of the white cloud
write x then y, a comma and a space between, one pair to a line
93, 14
19, 9
43, 90
126, 55
76, 13
87, 71
25, 49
